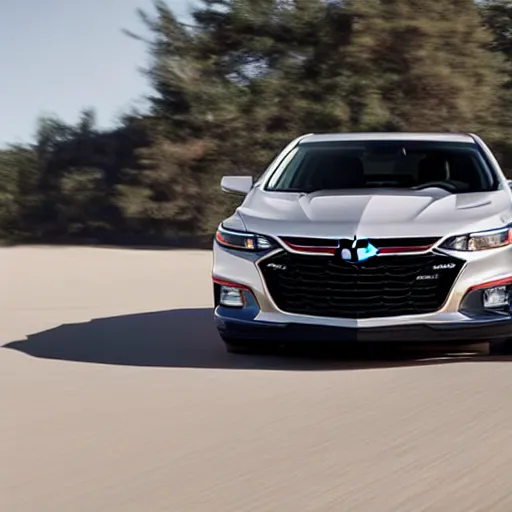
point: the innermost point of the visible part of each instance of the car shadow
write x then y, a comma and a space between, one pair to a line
187, 338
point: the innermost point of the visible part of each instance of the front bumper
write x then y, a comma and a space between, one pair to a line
459, 320
461, 332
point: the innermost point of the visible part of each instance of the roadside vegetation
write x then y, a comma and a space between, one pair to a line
235, 86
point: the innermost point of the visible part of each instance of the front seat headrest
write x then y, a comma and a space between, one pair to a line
432, 168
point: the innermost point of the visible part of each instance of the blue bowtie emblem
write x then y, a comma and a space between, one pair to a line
356, 251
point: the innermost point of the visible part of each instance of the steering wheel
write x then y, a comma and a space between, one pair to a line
449, 187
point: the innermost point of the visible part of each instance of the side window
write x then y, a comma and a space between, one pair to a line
304, 171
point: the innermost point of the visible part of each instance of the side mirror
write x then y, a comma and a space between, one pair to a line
236, 184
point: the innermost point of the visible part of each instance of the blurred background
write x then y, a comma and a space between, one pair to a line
119, 117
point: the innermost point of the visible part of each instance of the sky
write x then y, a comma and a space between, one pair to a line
58, 57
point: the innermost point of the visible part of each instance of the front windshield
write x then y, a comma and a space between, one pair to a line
454, 167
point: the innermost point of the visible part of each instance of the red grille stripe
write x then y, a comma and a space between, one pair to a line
396, 250
311, 249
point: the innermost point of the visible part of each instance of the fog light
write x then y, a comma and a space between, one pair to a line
231, 297
496, 297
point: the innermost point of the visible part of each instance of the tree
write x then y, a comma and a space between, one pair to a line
497, 15
82, 208
424, 65
19, 190
162, 198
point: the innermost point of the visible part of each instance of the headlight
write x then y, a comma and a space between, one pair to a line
480, 241
242, 240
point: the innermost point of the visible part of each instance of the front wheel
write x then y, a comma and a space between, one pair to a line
247, 347
500, 347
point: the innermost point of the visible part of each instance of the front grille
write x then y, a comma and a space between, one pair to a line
383, 286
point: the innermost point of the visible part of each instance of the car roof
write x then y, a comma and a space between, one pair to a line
388, 136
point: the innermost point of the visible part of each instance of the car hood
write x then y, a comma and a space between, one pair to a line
374, 213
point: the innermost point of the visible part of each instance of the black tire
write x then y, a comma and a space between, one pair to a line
500, 347
246, 347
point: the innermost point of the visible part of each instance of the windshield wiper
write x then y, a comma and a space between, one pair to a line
293, 190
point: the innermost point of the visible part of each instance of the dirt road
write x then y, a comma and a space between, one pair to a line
116, 395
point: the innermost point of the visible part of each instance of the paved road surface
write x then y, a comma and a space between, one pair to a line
116, 395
